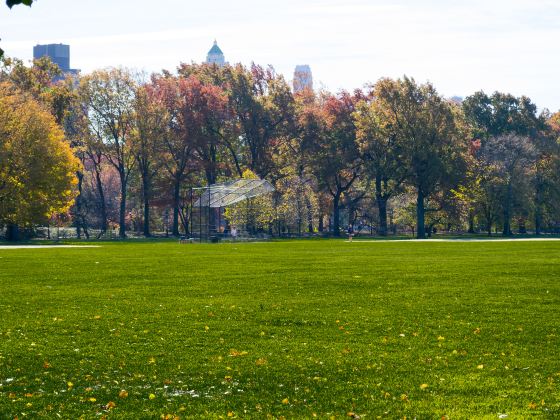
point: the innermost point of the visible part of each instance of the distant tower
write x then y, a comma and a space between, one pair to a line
302, 78
215, 55
59, 55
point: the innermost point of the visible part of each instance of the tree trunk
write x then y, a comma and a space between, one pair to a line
382, 209
522, 228
78, 214
102, 203
381, 206
176, 205
321, 226
12, 232
420, 216
336, 214
471, 221
538, 211
507, 212
211, 180
122, 210
146, 197
507, 227
309, 215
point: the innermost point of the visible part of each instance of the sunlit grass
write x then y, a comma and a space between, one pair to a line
425, 330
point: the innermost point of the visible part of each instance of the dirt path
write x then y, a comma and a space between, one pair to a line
46, 246
460, 240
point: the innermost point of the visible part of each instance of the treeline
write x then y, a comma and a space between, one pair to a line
394, 156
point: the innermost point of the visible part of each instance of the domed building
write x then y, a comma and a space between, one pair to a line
215, 55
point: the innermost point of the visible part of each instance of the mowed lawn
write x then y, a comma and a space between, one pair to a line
294, 329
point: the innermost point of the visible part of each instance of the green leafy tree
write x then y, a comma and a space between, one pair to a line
12, 3
501, 113
499, 116
432, 147
509, 158
380, 146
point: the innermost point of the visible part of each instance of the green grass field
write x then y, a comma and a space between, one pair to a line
294, 329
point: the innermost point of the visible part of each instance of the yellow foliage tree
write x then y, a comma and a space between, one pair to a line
37, 167
253, 215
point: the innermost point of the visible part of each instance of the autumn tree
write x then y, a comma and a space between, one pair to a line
147, 140
37, 167
253, 214
263, 104
59, 97
335, 158
297, 188
183, 127
110, 96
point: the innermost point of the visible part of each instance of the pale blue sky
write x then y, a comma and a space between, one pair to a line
460, 46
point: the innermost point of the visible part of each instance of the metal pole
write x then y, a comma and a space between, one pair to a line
191, 212
200, 219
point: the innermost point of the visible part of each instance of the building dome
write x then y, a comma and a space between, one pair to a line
215, 55
215, 49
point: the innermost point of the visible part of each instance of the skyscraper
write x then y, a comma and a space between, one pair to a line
216, 56
303, 79
58, 53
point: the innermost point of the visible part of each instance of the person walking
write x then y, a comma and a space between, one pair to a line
350, 232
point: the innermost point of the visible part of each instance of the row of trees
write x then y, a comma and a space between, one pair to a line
393, 155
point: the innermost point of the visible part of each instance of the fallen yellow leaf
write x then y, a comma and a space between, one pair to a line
532, 405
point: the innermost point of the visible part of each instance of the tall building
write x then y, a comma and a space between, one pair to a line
58, 53
303, 79
215, 55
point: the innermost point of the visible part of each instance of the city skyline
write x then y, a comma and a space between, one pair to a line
460, 48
